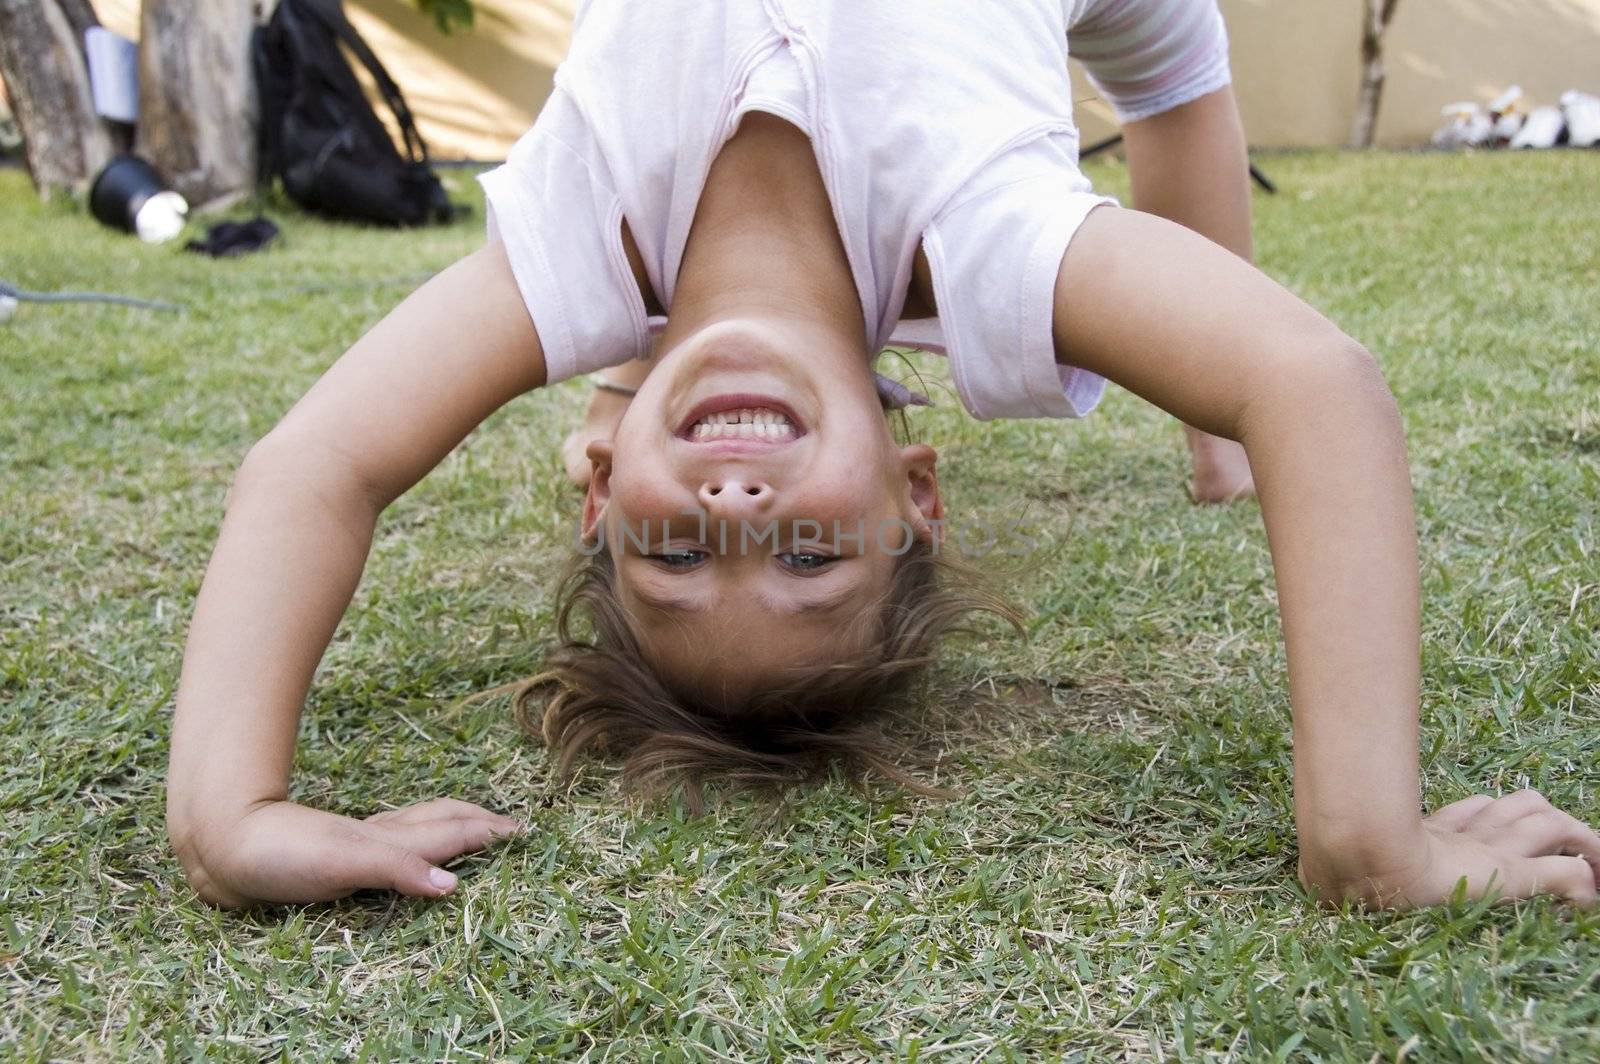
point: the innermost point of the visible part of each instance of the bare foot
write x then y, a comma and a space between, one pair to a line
599, 423
1221, 470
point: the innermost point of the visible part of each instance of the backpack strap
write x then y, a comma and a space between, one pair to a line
331, 14
269, 135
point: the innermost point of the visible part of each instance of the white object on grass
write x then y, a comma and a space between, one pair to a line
1583, 118
8, 306
1541, 130
1507, 126
1508, 115
1506, 101
161, 218
1480, 127
1469, 126
113, 74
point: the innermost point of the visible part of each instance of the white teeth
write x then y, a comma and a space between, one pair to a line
747, 424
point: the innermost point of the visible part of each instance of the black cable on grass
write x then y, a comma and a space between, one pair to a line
22, 296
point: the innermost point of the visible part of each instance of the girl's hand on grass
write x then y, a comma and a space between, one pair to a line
281, 852
1517, 846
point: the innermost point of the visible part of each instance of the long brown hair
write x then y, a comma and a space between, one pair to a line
599, 694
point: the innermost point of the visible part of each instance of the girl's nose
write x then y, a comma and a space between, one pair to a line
733, 498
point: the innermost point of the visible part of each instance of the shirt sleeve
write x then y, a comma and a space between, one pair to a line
1149, 56
995, 255
553, 206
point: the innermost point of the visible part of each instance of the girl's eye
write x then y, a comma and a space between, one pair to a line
807, 562
680, 559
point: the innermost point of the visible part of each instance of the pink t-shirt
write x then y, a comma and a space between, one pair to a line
950, 129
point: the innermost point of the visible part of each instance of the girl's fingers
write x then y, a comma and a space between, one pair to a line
1455, 815
1569, 877
1553, 832
438, 840
1508, 810
288, 853
440, 808
375, 863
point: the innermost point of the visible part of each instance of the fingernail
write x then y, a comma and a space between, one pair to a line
441, 879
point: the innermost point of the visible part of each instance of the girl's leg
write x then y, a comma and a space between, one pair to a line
1188, 165
600, 420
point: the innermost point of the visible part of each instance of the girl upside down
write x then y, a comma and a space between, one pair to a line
793, 185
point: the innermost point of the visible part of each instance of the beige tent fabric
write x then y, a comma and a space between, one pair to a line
1296, 64
474, 93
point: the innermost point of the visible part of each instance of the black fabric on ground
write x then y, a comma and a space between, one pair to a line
227, 239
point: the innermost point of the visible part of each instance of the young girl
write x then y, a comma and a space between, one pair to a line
794, 180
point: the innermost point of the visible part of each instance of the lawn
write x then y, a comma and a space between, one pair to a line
1116, 876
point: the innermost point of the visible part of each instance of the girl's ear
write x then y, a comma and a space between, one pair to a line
599, 493
921, 462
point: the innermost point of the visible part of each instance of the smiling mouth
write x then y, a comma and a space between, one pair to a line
752, 418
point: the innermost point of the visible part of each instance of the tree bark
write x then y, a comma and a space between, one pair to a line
41, 57
80, 16
1376, 18
198, 107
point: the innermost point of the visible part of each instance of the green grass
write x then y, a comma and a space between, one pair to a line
1116, 879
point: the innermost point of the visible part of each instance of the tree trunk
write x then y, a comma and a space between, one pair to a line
197, 106
80, 16
41, 57
1375, 20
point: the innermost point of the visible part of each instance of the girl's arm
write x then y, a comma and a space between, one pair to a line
299, 523
1199, 332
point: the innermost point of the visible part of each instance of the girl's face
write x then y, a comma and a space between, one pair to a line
756, 505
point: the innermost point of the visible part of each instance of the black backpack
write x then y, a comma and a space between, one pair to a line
319, 133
